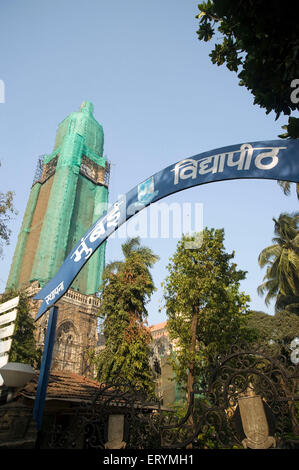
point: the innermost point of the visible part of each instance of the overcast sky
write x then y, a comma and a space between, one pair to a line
159, 99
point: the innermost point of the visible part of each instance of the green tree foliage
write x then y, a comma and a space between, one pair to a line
127, 287
23, 348
206, 312
260, 42
274, 330
281, 281
6, 212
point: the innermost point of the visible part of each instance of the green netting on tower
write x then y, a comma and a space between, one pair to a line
96, 264
52, 245
16, 265
83, 123
72, 203
70, 207
90, 203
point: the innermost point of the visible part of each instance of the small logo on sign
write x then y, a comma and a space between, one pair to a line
146, 191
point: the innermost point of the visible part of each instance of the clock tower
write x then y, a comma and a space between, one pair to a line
69, 193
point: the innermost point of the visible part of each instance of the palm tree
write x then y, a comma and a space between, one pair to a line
132, 247
281, 280
286, 187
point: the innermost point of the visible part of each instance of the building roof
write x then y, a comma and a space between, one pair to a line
158, 326
69, 387
63, 385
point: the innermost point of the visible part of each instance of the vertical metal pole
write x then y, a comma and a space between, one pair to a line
45, 369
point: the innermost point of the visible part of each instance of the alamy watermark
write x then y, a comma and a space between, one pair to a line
165, 221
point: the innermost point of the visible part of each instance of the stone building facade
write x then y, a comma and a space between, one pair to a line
162, 347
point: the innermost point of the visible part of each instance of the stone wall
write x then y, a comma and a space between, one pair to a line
17, 427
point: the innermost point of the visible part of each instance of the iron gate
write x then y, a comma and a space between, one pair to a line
249, 399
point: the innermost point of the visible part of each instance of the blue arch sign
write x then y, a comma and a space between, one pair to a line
274, 160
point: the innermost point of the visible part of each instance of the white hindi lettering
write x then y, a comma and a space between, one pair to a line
54, 292
113, 216
184, 169
190, 168
97, 232
82, 248
273, 154
203, 164
112, 219
245, 151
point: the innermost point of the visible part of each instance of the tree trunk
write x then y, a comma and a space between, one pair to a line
190, 380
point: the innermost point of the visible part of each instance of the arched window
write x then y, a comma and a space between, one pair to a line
64, 354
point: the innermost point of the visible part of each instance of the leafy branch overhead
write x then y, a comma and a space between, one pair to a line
260, 42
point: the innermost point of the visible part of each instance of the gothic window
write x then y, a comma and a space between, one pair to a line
64, 355
157, 366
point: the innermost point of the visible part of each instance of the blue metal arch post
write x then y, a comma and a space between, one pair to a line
43, 379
